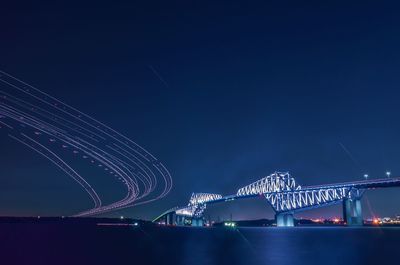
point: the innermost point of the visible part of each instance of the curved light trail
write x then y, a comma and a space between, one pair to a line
54, 129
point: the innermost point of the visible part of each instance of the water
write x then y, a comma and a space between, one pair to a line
72, 244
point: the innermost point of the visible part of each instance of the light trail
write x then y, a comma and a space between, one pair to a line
55, 130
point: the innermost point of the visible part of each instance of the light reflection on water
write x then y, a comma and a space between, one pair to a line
323, 245
46, 244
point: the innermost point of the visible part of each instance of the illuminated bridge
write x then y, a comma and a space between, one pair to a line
286, 197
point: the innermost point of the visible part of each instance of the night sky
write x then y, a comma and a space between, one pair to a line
222, 92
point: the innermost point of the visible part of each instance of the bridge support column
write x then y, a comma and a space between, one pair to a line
179, 220
352, 212
169, 219
284, 219
197, 222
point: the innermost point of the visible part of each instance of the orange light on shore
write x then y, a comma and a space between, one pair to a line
336, 220
376, 221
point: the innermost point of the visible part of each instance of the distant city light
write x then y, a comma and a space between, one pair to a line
388, 174
366, 176
122, 217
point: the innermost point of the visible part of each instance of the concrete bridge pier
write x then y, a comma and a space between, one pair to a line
352, 213
284, 219
197, 222
169, 219
180, 220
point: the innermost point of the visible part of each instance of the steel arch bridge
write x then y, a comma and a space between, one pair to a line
286, 197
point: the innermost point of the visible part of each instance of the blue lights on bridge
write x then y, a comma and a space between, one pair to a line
286, 197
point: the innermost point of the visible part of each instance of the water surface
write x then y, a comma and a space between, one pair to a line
74, 244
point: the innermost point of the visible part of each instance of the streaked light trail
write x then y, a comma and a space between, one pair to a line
54, 129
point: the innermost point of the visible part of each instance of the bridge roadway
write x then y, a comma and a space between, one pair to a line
361, 185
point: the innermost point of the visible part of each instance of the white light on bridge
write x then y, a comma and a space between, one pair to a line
366, 176
388, 174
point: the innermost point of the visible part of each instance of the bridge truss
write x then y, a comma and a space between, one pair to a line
276, 182
197, 204
284, 195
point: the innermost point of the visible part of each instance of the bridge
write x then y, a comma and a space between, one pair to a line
286, 197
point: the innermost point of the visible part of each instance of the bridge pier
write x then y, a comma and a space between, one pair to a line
352, 212
284, 219
169, 219
180, 220
197, 221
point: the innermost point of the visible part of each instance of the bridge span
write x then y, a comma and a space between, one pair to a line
286, 198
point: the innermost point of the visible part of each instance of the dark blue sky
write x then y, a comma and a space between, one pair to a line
223, 93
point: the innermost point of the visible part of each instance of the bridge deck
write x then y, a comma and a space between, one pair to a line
362, 184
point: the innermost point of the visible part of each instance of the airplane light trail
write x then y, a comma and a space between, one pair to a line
52, 128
